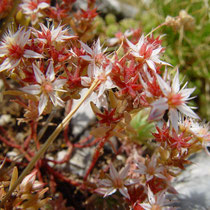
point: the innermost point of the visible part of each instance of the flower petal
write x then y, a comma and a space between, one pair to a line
32, 89
42, 103
113, 172
166, 89
50, 74
173, 116
40, 78
187, 111
124, 192
32, 54
124, 172
175, 83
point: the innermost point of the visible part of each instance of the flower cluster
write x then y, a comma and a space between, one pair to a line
52, 61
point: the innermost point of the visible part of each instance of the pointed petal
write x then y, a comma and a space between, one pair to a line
97, 49
50, 74
32, 54
40, 78
9, 64
186, 92
151, 64
113, 172
151, 197
105, 182
58, 83
43, 5
146, 206
173, 116
3, 51
86, 48
124, 172
110, 192
42, 103
163, 85
175, 83
186, 110
86, 57
124, 192
158, 109
131, 45
32, 89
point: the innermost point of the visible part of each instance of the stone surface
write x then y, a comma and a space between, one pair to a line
194, 183
111, 6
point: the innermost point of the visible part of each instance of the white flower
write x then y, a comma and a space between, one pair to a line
174, 100
52, 34
95, 56
106, 83
116, 181
155, 201
33, 8
150, 169
13, 48
30, 183
47, 86
146, 53
119, 37
199, 130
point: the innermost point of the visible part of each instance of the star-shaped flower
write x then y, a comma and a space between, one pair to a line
150, 169
13, 49
47, 87
174, 100
147, 53
33, 9
116, 181
51, 34
106, 83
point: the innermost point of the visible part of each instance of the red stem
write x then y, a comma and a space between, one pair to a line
95, 157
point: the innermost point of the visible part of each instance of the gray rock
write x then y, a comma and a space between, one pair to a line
193, 184
111, 6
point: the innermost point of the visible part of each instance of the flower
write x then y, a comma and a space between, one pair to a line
47, 86
30, 183
52, 34
32, 8
13, 48
155, 201
95, 56
146, 53
116, 181
106, 83
150, 169
174, 99
119, 37
198, 130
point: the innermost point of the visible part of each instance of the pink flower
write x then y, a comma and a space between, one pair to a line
119, 37
155, 201
147, 53
33, 9
13, 48
47, 86
52, 34
106, 83
116, 181
174, 100
30, 183
150, 169
95, 56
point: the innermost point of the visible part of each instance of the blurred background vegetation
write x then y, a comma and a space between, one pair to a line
187, 40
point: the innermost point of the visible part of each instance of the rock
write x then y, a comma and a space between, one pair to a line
111, 6
193, 184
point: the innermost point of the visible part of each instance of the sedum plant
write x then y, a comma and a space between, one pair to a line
135, 93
